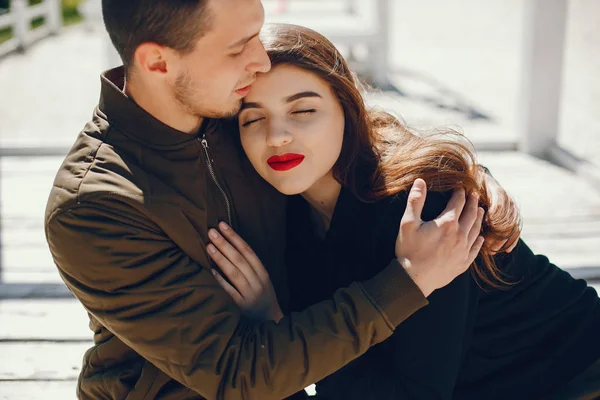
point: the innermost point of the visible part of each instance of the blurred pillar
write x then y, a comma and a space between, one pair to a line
381, 49
92, 14
21, 22
54, 20
352, 6
542, 71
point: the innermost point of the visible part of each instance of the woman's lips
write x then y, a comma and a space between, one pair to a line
285, 162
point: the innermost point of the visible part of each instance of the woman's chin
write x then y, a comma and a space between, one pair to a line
289, 189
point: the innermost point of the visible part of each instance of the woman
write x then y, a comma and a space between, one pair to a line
515, 327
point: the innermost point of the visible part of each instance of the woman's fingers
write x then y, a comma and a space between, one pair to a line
235, 295
245, 250
234, 257
232, 272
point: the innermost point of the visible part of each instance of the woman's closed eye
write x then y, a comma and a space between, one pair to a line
251, 121
308, 111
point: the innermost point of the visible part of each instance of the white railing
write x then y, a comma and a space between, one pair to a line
19, 17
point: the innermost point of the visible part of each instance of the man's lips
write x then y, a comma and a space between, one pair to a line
243, 91
285, 162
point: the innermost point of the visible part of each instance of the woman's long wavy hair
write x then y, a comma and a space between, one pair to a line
382, 157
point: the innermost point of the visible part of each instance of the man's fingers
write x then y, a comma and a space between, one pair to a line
455, 206
415, 203
512, 247
469, 213
475, 249
235, 257
235, 295
475, 227
497, 246
245, 250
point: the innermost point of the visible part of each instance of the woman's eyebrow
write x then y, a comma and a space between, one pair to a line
250, 105
288, 99
301, 95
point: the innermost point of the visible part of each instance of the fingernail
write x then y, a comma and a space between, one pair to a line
480, 212
212, 249
213, 234
212, 271
224, 226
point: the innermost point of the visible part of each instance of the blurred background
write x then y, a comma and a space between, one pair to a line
521, 79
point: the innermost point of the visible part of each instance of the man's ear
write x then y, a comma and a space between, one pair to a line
152, 58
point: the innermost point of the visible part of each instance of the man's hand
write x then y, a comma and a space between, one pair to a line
501, 205
435, 252
250, 287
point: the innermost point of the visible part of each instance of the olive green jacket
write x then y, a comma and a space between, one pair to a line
127, 223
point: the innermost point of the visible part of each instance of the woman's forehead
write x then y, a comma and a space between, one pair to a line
284, 81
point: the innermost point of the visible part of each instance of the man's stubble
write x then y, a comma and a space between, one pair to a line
187, 98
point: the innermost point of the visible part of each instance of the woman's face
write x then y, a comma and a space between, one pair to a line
292, 128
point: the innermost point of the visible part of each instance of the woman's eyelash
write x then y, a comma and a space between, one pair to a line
248, 123
245, 124
312, 110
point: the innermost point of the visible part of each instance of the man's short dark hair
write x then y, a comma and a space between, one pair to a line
177, 24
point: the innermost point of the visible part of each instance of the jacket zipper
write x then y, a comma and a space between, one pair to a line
214, 178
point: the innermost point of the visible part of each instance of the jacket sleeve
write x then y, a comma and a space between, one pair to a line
132, 277
421, 360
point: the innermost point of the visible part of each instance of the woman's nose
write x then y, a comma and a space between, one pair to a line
278, 137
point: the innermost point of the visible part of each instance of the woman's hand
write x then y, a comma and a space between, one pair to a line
250, 286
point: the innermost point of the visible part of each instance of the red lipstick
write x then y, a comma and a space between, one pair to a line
285, 162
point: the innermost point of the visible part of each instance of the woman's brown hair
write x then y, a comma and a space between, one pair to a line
382, 157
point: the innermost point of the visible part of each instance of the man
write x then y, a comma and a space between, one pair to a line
129, 212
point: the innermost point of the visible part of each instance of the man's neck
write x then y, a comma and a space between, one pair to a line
162, 106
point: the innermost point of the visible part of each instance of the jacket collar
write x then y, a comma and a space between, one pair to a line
138, 124
124, 113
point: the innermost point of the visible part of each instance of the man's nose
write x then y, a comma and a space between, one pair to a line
259, 61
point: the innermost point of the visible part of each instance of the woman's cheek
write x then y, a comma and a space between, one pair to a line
249, 145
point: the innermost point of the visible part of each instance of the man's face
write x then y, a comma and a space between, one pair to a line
213, 79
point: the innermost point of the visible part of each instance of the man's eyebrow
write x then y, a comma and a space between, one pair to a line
301, 95
243, 41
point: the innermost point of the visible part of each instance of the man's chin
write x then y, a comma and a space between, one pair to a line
232, 112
